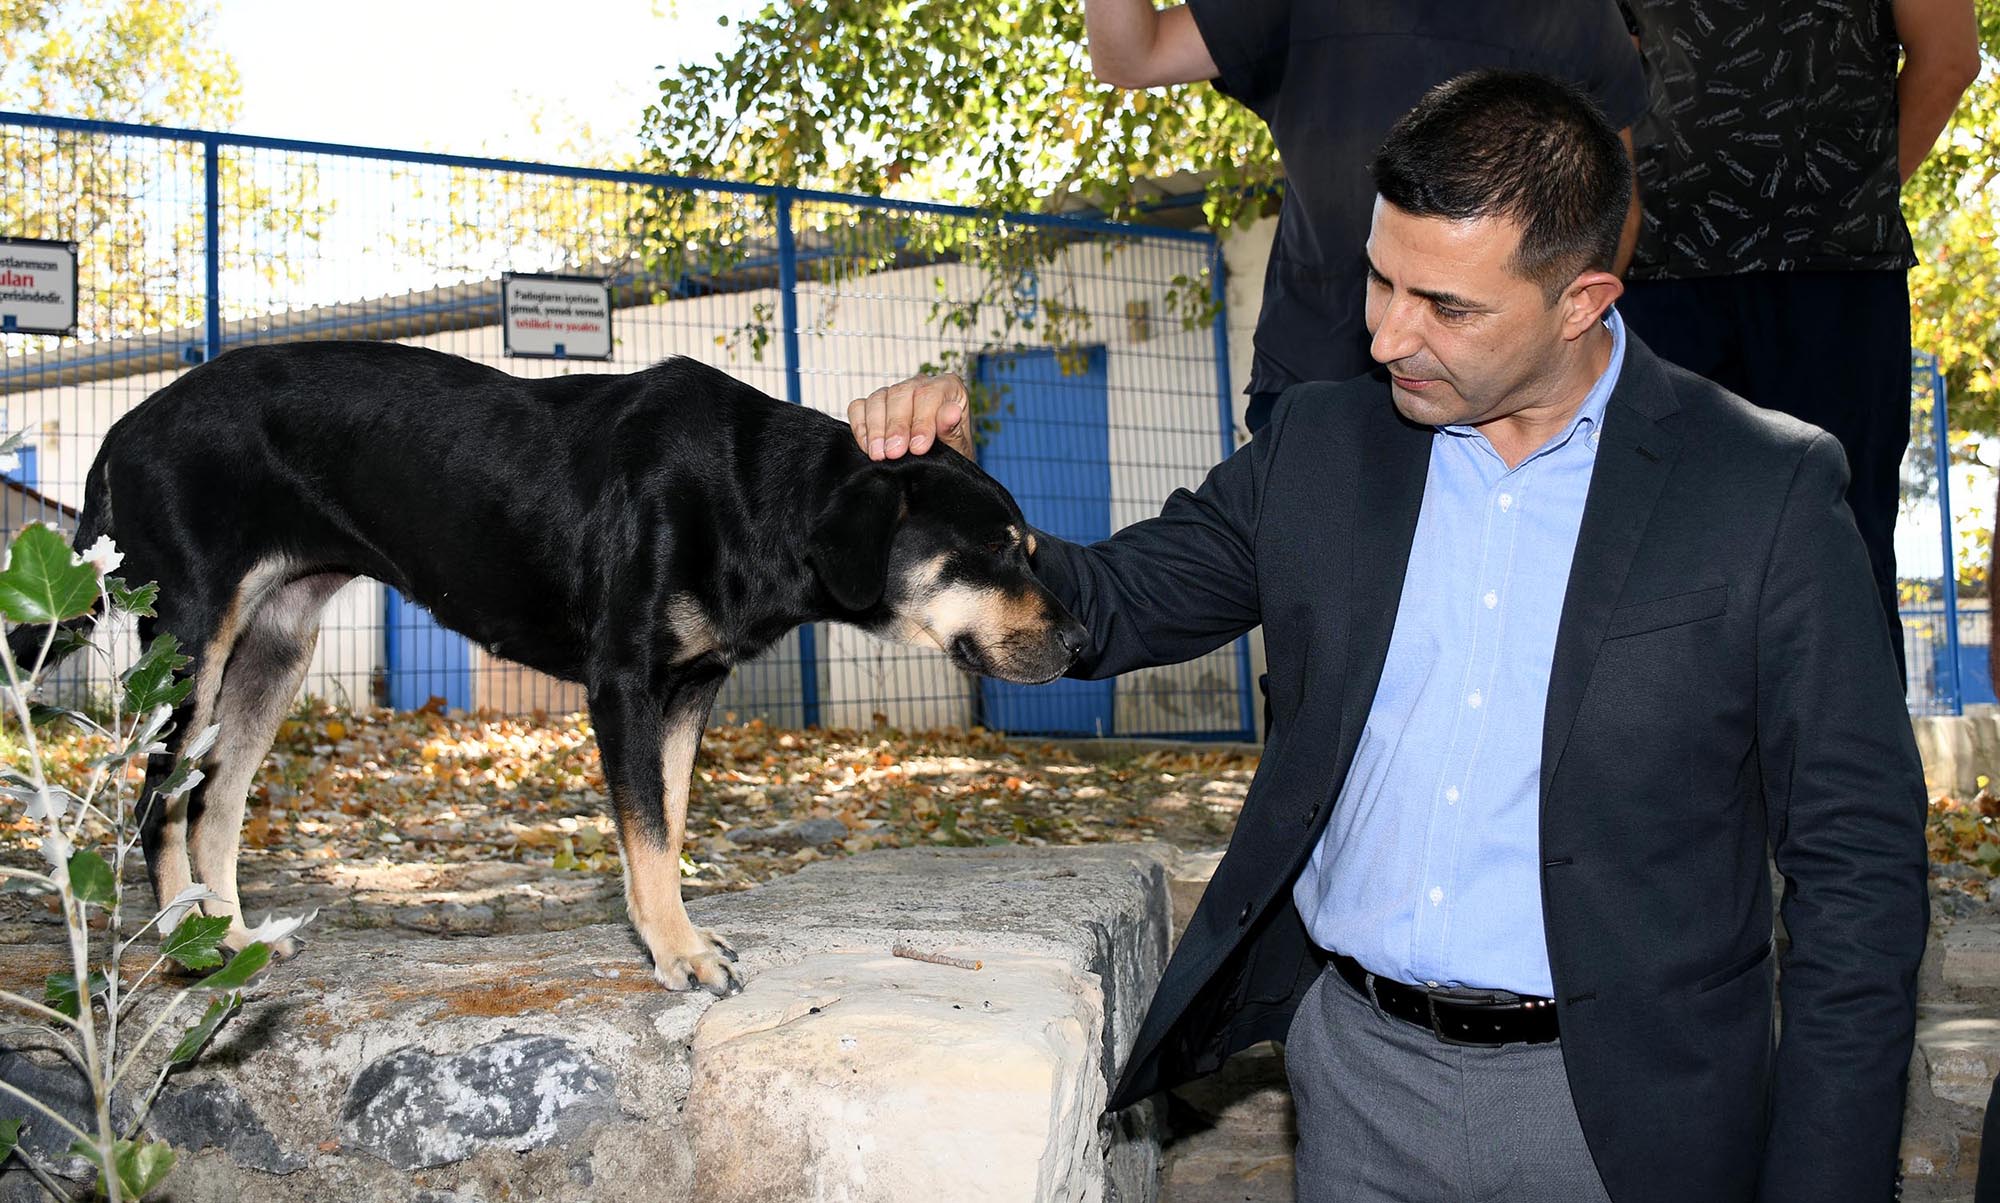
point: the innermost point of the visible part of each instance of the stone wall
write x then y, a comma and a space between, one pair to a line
397, 1066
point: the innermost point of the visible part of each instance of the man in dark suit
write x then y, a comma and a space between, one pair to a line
1562, 640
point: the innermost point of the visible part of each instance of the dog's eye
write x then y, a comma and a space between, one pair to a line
996, 547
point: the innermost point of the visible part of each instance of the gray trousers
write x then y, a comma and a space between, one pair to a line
1388, 1113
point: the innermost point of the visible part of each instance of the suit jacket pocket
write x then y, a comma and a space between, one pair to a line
1734, 970
1660, 613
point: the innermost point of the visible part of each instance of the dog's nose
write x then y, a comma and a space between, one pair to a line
1074, 638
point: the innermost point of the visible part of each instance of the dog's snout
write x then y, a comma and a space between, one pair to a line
1074, 638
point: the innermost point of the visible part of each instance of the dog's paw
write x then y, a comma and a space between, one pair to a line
282, 949
712, 969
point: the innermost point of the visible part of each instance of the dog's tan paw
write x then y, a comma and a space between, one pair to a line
713, 969
282, 949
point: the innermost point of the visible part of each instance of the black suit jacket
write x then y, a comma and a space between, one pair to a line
1723, 690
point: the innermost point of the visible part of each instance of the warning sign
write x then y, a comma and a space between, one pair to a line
556, 317
37, 286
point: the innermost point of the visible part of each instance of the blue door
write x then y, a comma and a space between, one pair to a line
1052, 449
424, 659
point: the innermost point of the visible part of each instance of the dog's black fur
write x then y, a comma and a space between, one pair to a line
639, 534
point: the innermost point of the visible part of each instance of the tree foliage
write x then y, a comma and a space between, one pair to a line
1952, 210
134, 206
146, 61
988, 104
131, 208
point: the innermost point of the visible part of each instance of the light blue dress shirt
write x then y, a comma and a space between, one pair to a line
1429, 870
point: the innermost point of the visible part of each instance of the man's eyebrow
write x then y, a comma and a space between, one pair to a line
1450, 300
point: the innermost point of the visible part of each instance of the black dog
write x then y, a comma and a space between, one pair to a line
639, 534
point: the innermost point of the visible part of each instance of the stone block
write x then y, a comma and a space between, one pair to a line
1961, 1052
397, 1065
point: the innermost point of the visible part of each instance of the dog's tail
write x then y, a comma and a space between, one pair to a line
24, 642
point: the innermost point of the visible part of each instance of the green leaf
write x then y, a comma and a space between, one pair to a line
239, 970
150, 682
137, 602
59, 991
10, 1135
41, 583
87, 1150
68, 641
191, 1044
141, 1166
43, 716
195, 941
90, 878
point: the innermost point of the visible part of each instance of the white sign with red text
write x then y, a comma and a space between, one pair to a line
37, 286
556, 317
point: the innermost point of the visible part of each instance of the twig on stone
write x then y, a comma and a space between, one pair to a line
935, 958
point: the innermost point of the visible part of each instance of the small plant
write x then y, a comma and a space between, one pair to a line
103, 1021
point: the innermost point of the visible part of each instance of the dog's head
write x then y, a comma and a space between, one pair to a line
928, 549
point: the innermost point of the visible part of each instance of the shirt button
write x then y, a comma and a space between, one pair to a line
1243, 919
1491, 599
1506, 501
1437, 895
1474, 700
1451, 795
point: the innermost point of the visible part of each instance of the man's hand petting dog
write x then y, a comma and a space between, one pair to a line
911, 415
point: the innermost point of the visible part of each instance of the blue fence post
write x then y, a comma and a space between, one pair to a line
211, 157
1941, 448
1218, 293
788, 321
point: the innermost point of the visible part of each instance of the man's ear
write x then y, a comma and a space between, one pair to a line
849, 545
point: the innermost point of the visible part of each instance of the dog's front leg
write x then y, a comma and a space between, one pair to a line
649, 743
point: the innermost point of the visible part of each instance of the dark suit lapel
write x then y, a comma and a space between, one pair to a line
1389, 496
1634, 456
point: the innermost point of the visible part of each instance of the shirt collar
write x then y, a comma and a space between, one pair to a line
1589, 415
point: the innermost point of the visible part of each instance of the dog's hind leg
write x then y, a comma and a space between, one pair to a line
649, 748
272, 651
207, 633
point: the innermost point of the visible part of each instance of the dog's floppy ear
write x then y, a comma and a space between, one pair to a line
849, 548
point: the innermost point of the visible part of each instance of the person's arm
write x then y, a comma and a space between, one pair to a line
1845, 806
1134, 45
1940, 60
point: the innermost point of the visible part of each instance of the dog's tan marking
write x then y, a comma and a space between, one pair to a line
175, 872
272, 654
684, 956
694, 634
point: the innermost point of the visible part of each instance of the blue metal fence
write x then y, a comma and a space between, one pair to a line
1944, 643
192, 242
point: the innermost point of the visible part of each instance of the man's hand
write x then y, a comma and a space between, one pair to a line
910, 415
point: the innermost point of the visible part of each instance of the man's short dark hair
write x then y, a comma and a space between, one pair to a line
1517, 145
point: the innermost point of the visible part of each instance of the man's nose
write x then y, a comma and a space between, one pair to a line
1394, 337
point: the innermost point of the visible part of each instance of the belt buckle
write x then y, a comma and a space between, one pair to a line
1437, 1024
1437, 1027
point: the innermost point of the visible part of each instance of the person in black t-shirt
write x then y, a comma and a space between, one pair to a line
1330, 79
1772, 253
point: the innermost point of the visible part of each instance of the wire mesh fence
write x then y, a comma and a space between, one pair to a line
1094, 350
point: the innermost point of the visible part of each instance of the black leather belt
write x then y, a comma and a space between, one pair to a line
1452, 1019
